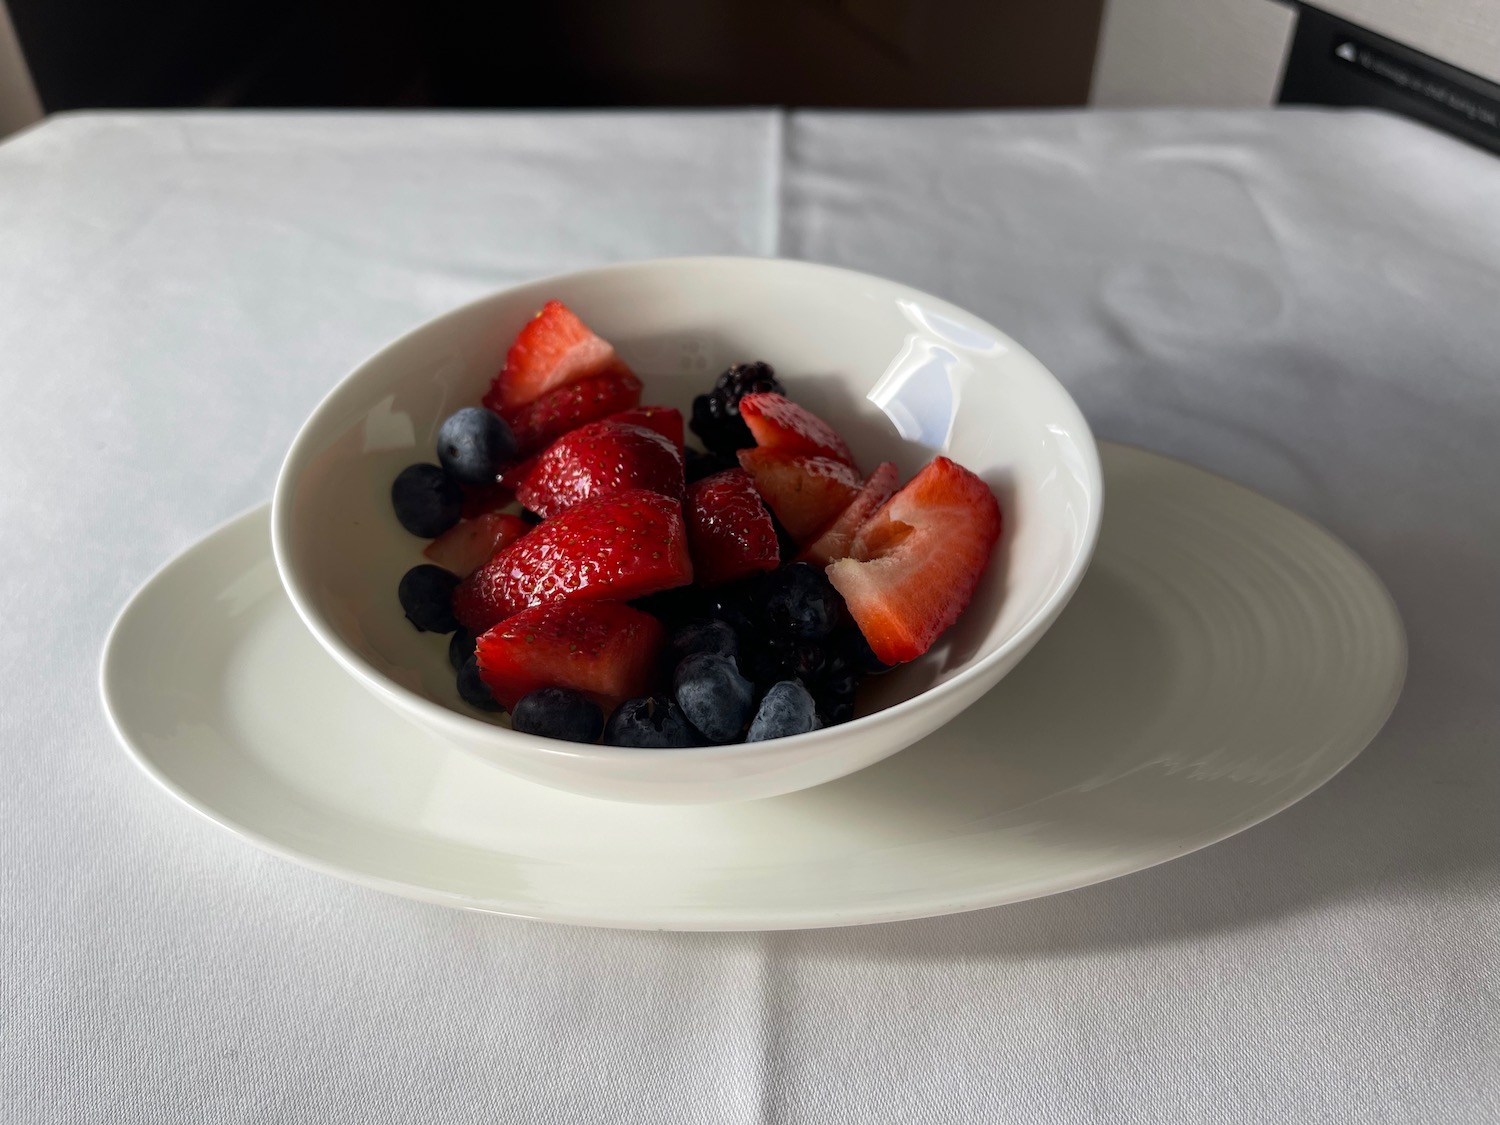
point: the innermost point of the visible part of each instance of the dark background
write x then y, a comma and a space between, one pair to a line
880, 53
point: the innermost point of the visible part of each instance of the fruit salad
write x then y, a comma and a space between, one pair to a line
603, 580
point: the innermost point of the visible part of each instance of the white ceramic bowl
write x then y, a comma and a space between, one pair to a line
901, 375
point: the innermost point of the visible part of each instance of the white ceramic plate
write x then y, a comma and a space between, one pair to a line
1222, 659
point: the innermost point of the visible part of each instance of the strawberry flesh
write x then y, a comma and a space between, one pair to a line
806, 493
729, 531
605, 650
469, 544
538, 424
554, 349
833, 543
665, 420
597, 460
780, 424
608, 548
914, 565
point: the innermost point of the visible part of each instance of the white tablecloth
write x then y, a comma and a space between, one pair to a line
1307, 302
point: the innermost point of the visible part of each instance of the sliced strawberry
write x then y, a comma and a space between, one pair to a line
780, 424
729, 531
599, 459
610, 548
916, 562
605, 650
468, 544
484, 498
806, 493
538, 424
834, 542
665, 420
555, 348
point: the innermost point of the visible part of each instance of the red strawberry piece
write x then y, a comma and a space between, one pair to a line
915, 564
806, 493
665, 420
609, 548
596, 460
833, 543
554, 349
780, 424
482, 499
538, 424
729, 531
605, 650
468, 544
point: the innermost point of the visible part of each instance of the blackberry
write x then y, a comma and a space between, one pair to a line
700, 465
716, 415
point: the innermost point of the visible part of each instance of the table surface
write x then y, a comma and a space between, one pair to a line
1307, 302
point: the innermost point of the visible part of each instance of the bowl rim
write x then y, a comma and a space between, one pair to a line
309, 440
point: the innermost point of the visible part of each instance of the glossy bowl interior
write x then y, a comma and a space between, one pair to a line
901, 374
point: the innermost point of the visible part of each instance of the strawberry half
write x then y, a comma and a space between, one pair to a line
554, 349
729, 531
833, 543
780, 424
605, 650
597, 460
540, 423
665, 420
610, 548
917, 561
806, 493
468, 544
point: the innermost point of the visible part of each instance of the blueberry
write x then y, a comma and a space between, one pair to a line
799, 603
835, 709
427, 500
562, 713
474, 444
474, 691
804, 660
460, 648
843, 684
860, 656
735, 605
655, 723
426, 594
714, 696
763, 664
703, 636
787, 709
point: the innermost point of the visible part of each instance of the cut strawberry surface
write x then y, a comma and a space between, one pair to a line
597, 460
834, 542
609, 548
780, 424
665, 420
729, 530
605, 650
806, 493
540, 423
468, 544
554, 349
916, 562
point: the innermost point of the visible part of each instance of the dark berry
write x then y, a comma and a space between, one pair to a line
763, 664
805, 660
843, 684
460, 648
835, 709
426, 594
561, 713
474, 691
798, 602
530, 517
716, 415
712, 635
474, 444
714, 696
655, 723
860, 656
699, 465
427, 500
676, 607
786, 710
735, 605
